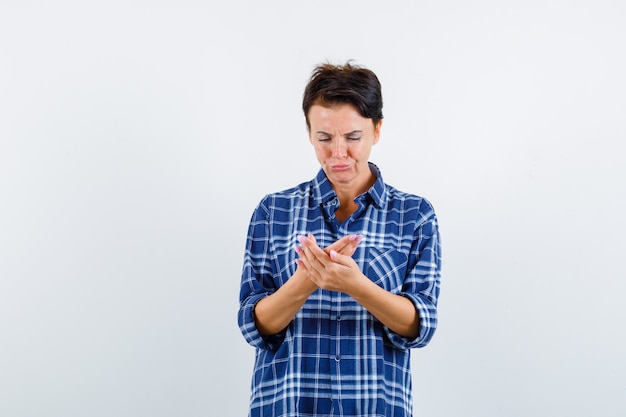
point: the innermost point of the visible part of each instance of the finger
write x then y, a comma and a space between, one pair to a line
317, 259
354, 242
346, 245
309, 267
304, 242
301, 261
314, 258
339, 245
341, 259
316, 253
308, 242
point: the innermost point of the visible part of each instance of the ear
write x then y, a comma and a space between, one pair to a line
377, 128
308, 128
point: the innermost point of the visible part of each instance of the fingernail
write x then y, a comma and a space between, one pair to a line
333, 254
359, 238
353, 237
301, 238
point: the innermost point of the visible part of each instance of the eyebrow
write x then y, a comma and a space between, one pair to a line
345, 134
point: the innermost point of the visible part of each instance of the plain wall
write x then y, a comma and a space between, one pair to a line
136, 138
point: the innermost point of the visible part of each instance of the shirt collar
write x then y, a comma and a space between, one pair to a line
324, 192
378, 191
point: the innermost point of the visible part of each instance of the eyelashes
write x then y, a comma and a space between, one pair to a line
352, 138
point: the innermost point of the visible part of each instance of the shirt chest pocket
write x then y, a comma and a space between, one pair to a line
386, 268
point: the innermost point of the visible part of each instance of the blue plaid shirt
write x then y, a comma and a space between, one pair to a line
335, 358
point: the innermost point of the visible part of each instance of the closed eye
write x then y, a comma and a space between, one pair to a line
354, 135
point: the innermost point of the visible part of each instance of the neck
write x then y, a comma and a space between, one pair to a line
348, 192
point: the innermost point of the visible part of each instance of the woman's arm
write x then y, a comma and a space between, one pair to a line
274, 312
393, 310
337, 272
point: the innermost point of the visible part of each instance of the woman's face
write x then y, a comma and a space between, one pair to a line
342, 140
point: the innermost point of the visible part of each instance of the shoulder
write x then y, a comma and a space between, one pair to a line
412, 205
286, 199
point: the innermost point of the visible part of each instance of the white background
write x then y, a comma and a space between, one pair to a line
136, 138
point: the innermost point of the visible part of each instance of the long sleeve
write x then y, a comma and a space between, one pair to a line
422, 282
257, 279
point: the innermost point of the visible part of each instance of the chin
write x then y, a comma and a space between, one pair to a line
341, 179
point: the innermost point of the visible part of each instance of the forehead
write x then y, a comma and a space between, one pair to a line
336, 116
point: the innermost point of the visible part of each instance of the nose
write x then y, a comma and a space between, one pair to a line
340, 149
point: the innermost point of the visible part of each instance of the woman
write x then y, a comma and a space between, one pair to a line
341, 273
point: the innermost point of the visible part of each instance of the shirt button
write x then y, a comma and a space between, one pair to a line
338, 318
337, 358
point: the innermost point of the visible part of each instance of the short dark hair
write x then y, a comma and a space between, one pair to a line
344, 84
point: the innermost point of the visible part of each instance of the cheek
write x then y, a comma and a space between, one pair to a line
357, 151
321, 150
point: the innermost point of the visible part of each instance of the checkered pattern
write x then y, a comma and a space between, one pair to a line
335, 358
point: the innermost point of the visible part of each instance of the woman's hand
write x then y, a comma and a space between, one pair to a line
331, 268
345, 246
273, 313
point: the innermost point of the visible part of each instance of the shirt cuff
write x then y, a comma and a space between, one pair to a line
247, 325
427, 313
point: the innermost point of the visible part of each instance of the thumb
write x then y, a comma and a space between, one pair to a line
339, 258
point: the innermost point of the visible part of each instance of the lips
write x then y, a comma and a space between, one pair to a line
340, 167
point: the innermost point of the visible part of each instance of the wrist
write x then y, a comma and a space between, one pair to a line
300, 285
